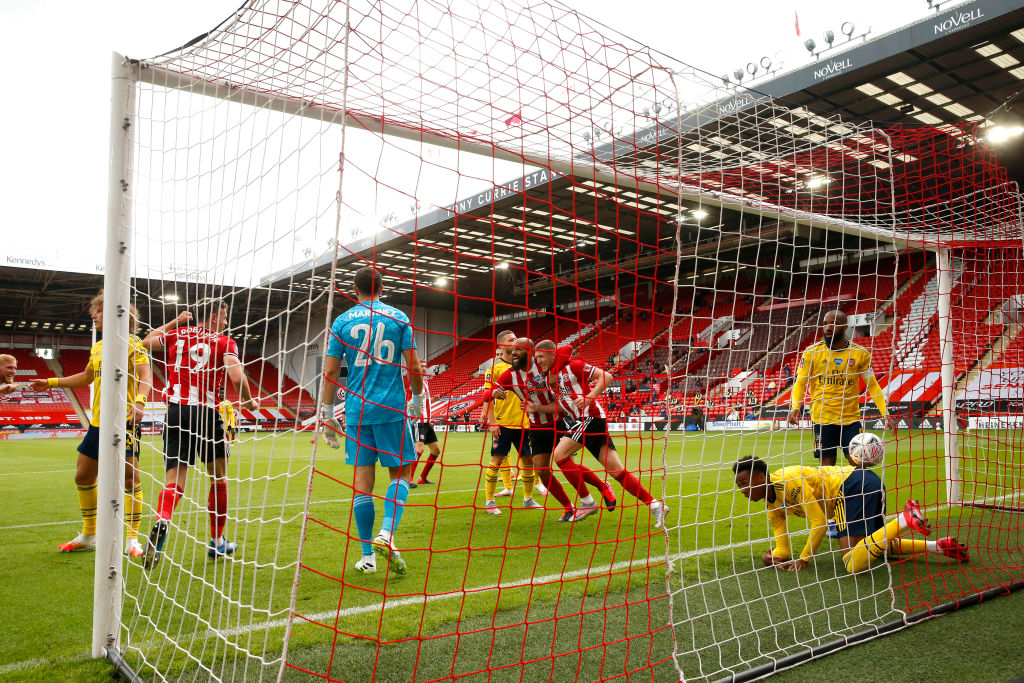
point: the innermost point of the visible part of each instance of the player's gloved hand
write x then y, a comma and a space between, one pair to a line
415, 407
329, 426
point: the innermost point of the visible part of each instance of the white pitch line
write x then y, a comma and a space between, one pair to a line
36, 663
11, 474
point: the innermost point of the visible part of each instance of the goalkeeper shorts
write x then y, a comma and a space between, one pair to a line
389, 443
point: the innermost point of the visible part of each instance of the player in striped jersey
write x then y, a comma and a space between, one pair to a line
585, 424
426, 438
530, 383
199, 358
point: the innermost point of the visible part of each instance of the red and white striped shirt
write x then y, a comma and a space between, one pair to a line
425, 407
531, 386
195, 365
574, 382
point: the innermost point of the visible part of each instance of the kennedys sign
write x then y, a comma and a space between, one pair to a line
957, 21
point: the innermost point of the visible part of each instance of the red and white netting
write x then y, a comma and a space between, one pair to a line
516, 165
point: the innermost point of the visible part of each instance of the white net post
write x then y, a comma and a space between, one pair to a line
109, 579
948, 374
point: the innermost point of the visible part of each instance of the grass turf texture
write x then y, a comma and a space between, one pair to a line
571, 621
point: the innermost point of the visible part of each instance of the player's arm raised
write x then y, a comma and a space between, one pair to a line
237, 376
155, 338
82, 379
329, 425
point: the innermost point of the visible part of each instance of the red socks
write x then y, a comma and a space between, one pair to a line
591, 478
430, 463
633, 486
217, 504
574, 475
168, 500
553, 486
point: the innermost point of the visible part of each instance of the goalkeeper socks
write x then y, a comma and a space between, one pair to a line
87, 503
362, 510
633, 486
394, 505
527, 477
872, 547
506, 472
491, 481
426, 468
554, 486
168, 500
574, 475
133, 510
217, 504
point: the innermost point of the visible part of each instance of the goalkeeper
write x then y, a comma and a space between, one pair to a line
370, 335
857, 499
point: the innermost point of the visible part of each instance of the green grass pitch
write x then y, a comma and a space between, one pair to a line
518, 594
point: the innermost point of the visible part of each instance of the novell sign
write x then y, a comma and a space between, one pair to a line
832, 68
957, 21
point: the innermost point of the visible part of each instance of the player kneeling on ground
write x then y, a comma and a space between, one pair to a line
370, 335
857, 499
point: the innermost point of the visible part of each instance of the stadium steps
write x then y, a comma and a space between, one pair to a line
890, 302
54, 365
996, 350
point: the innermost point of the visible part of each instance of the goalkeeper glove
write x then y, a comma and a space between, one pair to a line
329, 426
415, 407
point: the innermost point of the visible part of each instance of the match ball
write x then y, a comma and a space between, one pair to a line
866, 450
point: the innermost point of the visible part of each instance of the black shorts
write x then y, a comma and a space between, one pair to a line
191, 432
827, 438
591, 432
90, 446
425, 433
542, 439
860, 510
509, 437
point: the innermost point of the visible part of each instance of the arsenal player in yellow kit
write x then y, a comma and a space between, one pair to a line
857, 499
830, 373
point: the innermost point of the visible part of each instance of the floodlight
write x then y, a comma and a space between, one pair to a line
810, 44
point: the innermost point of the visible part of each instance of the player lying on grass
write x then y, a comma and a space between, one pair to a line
856, 497
140, 383
8, 369
374, 338
584, 422
200, 358
528, 382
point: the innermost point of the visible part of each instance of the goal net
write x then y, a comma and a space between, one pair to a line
517, 167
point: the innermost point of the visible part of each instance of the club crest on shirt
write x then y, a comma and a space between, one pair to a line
850, 362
